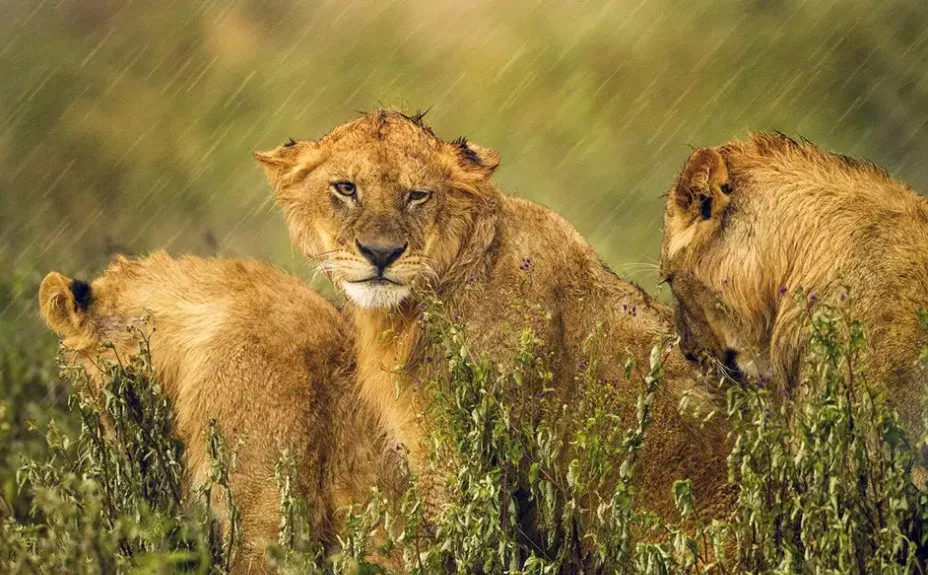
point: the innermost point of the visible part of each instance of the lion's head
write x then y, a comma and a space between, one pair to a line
750, 225
97, 321
709, 257
381, 203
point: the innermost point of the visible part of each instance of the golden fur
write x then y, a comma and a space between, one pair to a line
250, 346
750, 222
489, 258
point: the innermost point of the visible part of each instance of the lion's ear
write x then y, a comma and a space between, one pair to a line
288, 162
476, 158
703, 188
63, 302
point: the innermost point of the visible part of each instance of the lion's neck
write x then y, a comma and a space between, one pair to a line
384, 343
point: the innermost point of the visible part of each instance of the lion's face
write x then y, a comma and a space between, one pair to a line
709, 259
380, 203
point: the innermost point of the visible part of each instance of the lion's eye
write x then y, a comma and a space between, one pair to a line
416, 197
343, 188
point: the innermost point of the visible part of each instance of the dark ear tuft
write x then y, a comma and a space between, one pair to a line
465, 150
82, 294
289, 143
705, 206
703, 187
475, 158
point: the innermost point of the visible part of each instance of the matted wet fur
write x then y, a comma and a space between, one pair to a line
749, 223
252, 347
394, 215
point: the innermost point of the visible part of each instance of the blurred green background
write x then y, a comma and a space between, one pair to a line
128, 126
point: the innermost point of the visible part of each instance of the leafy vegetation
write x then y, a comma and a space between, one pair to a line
823, 473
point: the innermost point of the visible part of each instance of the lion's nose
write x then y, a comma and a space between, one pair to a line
380, 256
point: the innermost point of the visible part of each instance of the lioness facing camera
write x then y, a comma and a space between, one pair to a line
394, 215
748, 223
252, 347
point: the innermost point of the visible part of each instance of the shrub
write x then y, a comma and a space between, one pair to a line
110, 499
823, 471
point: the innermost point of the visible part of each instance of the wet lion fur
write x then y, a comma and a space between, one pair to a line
749, 223
497, 264
252, 347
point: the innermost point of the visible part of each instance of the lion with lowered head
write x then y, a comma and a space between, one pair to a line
748, 223
394, 215
252, 347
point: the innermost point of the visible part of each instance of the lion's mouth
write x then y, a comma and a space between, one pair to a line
376, 281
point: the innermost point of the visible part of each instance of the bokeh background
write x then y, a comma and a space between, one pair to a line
129, 125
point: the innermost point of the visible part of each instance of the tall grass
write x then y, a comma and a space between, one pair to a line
823, 473
110, 498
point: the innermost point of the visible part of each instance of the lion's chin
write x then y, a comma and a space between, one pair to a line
375, 296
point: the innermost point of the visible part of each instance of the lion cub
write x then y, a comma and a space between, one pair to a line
250, 346
748, 223
395, 215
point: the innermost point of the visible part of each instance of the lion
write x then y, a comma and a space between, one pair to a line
749, 223
396, 216
252, 347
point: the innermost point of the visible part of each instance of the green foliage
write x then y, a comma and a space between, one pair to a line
110, 499
823, 471
31, 393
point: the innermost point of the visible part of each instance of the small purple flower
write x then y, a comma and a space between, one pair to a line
813, 298
399, 446
457, 318
526, 264
428, 359
583, 365
782, 290
473, 279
